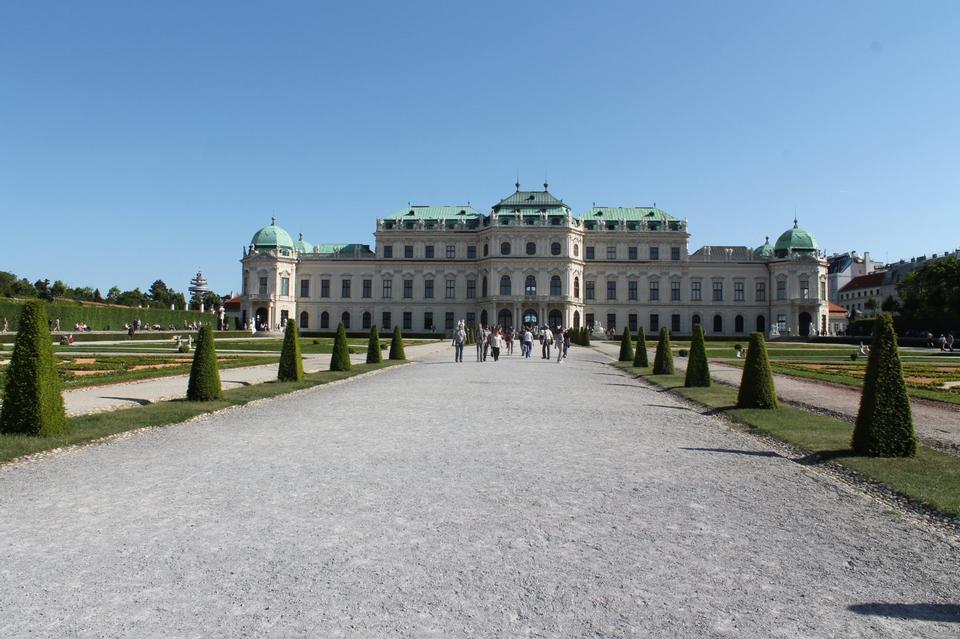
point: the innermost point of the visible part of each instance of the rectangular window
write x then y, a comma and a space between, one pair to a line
429, 252
654, 322
388, 251
472, 252
738, 291
632, 253
407, 289
590, 253
407, 320
782, 323
611, 321
654, 252
675, 291
654, 291
590, 293
823, 290
285, 286
632, 293
675, 323
451, 289
718, 291
367, 289
471, 318
696, 294
428, 289
471, 289
324, 288
589, 320
804, 289
387, 289
451, 251
408, 251
385, 320
632, 321
428, 321
304, 288
365, 322
674, 253
611, 252
263, 286
761, 292
345, 289
611, 289
781, 289
448, 320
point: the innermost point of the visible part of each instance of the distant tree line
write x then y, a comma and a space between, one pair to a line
159, 295
930, 297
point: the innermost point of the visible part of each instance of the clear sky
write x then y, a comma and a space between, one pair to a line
144, 140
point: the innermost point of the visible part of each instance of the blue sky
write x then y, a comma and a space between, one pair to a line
144, 140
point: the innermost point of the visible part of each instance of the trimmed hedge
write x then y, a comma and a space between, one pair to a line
374, 356
626, 346
340, 359
99, 316
204, 385
640, 357
585, 336
291, 361
396, 345
756, 384
32, 403
663, 360
698, 369
884, 426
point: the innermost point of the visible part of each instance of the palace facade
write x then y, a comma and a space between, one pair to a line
530, 260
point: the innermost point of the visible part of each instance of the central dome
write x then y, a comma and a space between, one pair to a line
272, 237
795, 240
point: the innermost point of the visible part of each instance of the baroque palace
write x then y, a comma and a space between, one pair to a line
532, 261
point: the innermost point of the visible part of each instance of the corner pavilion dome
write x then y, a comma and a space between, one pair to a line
302, 245
795, 240
272, 237
766, 250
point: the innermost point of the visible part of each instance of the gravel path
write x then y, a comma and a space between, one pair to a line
935, 422
519, 498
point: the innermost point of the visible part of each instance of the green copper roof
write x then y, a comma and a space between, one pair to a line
628, 214
766, 250
419, 212
342, 249
272, 237
302, 245
530, 199
795, 239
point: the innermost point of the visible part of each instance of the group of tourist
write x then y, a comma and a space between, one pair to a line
943, 342
496, 340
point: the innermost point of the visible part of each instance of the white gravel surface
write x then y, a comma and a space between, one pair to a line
510, 499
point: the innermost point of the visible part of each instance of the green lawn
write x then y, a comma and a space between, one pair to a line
931, 478
88, 428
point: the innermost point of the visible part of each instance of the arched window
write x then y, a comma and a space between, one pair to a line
505, 285
531, 248
576, 250
530, 286
483, 288
576, 288
366, 319
555, 248
345, 318
695, 320
761, 324
738, 324
324, 320
505, 248
576, 319
555, 286
717, 324
483, 317
486, 250
304, 320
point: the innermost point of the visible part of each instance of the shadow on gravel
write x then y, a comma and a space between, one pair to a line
734, 451
824, 455
718, 410
236, 381
949, 613
135, 400
668, 406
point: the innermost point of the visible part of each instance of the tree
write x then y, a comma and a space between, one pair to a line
113, 295
291, 361
374, 356
931, 297
396, 345
204, 384
59, 289
756, 384
340, 359
884, 426
698, 369
43, 289
640, 357
32, 403
663, 360
626, 346
890, 305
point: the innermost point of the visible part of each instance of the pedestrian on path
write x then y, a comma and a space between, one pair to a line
478, 341
459, 337
496, 343
559, 341
527, 344
547, 336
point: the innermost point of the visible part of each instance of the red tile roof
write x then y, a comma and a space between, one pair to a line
836, 308
870, 280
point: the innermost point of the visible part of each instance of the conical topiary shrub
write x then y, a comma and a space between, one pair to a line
884, 426
586, 336
340, 358
626, 346
373, 346
640, 359
291, 362
663, 360
204, 385
756, 385
396, 345
32, 403
698, 369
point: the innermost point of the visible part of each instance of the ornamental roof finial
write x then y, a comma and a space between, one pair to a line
517, 183
273, 220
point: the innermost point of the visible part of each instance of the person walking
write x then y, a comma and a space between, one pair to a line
547, 336
496, 343
527, 344
559, 342
478, 341
459, 337
486, 344
950, 342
